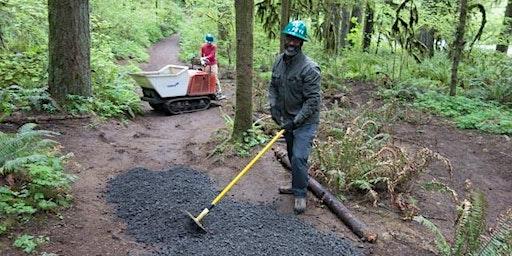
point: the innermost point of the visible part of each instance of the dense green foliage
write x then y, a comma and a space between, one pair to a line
32, 178
123, 32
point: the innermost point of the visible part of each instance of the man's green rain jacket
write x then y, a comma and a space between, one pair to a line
294, 91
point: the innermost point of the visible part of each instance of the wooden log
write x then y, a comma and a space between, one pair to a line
343, 213
38, 119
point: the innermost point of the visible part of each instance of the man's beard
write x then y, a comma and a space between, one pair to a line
291, 51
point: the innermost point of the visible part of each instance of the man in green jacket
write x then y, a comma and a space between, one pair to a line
294, 95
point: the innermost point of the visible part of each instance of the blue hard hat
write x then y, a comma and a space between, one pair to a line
296, 28
208, 38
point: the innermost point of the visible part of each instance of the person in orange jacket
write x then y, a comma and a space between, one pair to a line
209, 61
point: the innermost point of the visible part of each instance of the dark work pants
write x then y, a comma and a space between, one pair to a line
298, 145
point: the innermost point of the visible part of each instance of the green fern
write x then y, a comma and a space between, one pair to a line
499, 243
25, 143
442, 244
39, 183
476, 223
18, 163
469, 228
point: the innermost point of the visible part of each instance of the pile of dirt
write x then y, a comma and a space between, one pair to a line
151, 204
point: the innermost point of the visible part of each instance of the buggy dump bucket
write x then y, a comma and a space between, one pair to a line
170, 81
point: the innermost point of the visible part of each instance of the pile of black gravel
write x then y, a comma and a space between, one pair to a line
151, 203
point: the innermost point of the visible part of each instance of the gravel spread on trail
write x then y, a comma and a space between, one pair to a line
151, 204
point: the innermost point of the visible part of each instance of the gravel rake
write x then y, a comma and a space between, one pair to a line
197, 220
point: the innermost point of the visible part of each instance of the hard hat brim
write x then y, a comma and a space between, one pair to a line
295, 35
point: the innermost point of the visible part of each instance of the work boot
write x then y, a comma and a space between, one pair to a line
300, 205
285, 190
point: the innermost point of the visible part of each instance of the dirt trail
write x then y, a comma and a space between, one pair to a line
163, 53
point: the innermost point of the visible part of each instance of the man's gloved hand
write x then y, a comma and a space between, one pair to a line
288, 126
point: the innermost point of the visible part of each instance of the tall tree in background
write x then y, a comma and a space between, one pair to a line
244, 48
329, 30
69, 70
507, 29
345, 20
285, 18
368, 27
458, 44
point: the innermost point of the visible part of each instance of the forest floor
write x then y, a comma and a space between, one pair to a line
106, 149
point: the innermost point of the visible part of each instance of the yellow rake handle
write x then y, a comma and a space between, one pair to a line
247, 167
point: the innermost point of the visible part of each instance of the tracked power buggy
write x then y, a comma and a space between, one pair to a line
177, 89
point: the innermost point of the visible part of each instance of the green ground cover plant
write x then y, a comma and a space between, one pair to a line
29, 243
32, 176
468, 113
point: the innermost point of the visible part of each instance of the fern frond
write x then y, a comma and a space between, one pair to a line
442, 245
24, 143
499, 243
27, 127
460, 238
45, 144
18, 163
476, 222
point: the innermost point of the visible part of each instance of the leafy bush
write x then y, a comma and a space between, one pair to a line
23, 68
357, 156
253, 137
468, 113
29, 243
32, 177
14, 98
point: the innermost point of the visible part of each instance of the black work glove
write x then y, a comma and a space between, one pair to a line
288, 126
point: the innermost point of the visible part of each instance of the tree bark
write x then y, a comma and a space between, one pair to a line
507, 29
458, 45
285, 17
244, 59
426, 36
345, 23
69, 71
368, 27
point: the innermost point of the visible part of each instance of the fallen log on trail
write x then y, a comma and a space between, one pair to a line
355, 225
37, 119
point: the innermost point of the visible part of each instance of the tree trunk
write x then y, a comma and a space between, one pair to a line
426, 37
368, 27
458, 45
285, 17
330, 35
356, 13
507, 29
69, 71
244, 53
345, 20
